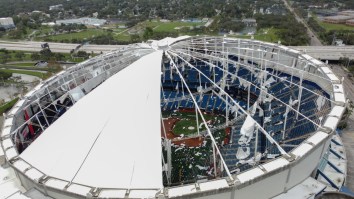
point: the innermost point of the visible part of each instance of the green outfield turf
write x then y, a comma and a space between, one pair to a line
188, 123
193, 163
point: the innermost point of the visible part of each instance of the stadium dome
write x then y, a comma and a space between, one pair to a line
195, 117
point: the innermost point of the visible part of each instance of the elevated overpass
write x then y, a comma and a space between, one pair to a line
319, 52
55, 47
327, 52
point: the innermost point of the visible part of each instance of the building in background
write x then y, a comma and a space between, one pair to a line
85, 21
347, 13
7, 23
249, 22
350, 22
56, 7
339, 19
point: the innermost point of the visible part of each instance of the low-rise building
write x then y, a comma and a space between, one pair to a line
249, 22
48, 24
7, 23
85, 21
56, 7
350, 22
339, 19
347, 13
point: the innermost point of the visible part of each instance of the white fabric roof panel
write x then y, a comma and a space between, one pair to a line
332, 77
337, 111
275, 164
216, 184
6, 131
331, 122
338, 88
59, 184
250, 175
78, 189
317, 137
326, 70
302, 149
21, 165
8, 122
339, 97
112, 193
317, 62
111, 137
182, 190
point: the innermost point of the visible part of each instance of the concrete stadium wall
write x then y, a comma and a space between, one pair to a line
266, 186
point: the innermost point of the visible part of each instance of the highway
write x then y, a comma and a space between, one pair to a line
55, 47
314, 39
327, 52
319, 52
316, 49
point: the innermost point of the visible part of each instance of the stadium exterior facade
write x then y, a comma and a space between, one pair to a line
263, 180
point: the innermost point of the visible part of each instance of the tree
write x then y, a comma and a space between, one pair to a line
135, 38
148, 33
5, 75
19, 55
4, 58
59, 56
4, 50
131, 23
345, 61
35, 56
82, 54
15, 34
46, 54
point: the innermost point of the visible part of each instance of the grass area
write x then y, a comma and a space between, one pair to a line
6, 107
75, 59
267, 35
24, 64
114, 28
188, 123
122, 37
44, 30
170, 26
45, 69
84, 34
187, 126
26, 72
118, 30
12, 57
28, 62
191, 161
330, 26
